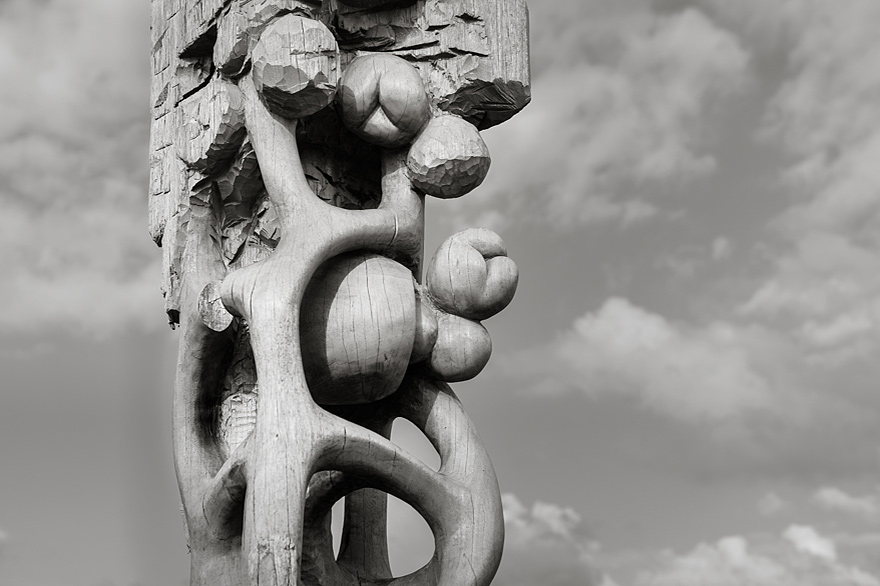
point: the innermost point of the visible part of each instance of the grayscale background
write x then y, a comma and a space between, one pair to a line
684, 391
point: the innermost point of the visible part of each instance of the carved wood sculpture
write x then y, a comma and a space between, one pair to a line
293, 142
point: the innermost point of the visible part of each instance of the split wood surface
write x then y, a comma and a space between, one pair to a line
293, 143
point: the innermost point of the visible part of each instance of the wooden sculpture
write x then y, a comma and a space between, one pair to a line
293, 142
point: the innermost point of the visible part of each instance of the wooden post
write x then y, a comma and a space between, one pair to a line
293, 143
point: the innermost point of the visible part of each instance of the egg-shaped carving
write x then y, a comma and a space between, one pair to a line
358, 324
471, 276
382, 99
462, 349
449, 158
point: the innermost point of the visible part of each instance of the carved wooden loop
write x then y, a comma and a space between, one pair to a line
293, 144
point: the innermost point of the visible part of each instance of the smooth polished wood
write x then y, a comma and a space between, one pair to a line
382, 100
292, 145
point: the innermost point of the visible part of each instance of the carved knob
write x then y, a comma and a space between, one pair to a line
358, 328
462, 350
383, 100
295, 66
470, 274
449, 158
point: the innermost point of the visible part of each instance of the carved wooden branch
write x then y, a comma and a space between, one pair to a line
293, 144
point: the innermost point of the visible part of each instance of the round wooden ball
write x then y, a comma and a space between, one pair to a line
462, 349
470, 274
449, 158
383, 100
295, 66
358, 325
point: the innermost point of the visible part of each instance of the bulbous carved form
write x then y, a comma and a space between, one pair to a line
358, 327
471, 276
383, 100
239, 28
292, 254
462, 350
295, 66
449, 158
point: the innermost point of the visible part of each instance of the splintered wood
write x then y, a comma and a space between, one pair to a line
293, 143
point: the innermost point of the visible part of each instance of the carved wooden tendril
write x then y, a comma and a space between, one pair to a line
293, 143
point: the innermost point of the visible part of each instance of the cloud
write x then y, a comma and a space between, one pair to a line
801, 556
722, 248
771, 504
546, 544
689, 260
835, 499
613, 119
824, 118
807, 540
73, 167
703, 374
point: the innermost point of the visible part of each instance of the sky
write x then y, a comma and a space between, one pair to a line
683, 391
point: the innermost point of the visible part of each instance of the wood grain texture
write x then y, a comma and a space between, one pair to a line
382, 99
374, 4
358, 328
213, 129
292, 235
462, 349
449, 159
240, 25
471, 275
296, 66
472, 54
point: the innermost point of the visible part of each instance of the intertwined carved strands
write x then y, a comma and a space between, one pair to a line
472, 54
305, 329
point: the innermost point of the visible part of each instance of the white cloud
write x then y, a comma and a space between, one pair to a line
800, 557
807, 540
688, 261
825, 119
697, 374
73, 167
546, 544
835, 499
771, 504
611, 122
798, 326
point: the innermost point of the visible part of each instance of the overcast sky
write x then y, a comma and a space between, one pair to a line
684, 391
